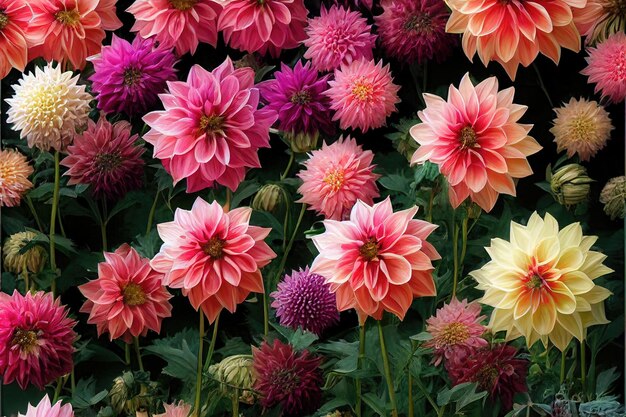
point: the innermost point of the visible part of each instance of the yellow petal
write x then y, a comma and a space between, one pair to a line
577, 282
570, 258
547, 251
571, 235
573, 324
544, 317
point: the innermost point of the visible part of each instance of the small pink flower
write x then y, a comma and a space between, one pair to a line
175, 410
606, 67
46, 409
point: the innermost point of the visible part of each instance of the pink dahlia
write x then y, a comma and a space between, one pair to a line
105, 157
211, 128
214, 256
363, 95
262, 26
129, 77
455, 331
66, 30
107, 11
175, 410
514, 32
338, 36
606, 67
15, 16
377, 260
286, 378
336, 176
36, 338
415, 30
128, 297
475, 139
46, 409
181, 24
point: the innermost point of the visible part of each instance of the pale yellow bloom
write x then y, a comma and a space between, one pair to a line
31, 261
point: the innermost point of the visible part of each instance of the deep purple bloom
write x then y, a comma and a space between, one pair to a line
304, 300
129, 77
297, 96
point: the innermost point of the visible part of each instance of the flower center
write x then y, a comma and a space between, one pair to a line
286, 379
212, 123
183, 4
468, 138
363, 91
618, 60
582, 128
134, 295
68, 17
301, 97
107, 162
25, 339
369, 250
214, 247
487, 377
334, 178
132, 76
535, 282
454, 333
616, 7
4, 20
419, 23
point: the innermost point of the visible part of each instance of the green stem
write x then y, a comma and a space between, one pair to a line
212, 345
127, 354
542, 85
266, 313
138, 352
29, 202
464, 240
429, 398
152, 211
292, 156
387, 368
57, 391
236, 403
283, 261
583, 369
441, 411
359, 367
60, 222
103, 225
229, 197
455, 254
429, 213
73, 381
563, 354
53, 217
199, 368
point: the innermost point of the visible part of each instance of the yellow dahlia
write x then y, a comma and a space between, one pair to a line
48, 107
14, 172
32, 260
541, 282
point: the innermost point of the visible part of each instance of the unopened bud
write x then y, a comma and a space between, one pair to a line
269, 198
570, 184
31, 261
235, 372
613, 196
302, 142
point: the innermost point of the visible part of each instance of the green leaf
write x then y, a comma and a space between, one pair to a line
44, 190
129, 200
605, 380
421, 337
396, 182
180, 353
299, 339
375, 403
462, 394
85, 394
245, 190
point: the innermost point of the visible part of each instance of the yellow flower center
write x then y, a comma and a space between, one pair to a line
4, 20
131, 76
134, 295
454, 333
334, 178
301, 97
363, 91
369, 250
183, 4
214, 247
535, 282
25, 339
582, 128
468, 138
68, 17
212, 123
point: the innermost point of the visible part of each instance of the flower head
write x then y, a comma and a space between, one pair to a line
211, 129
263, 25
129, 77
46, 409
377, 260
475, 139
606, 67
291, 379
14, 173
613, 196
31, 261
128, 297
105, 157
415, 30
336, 176
581, 127
214, 256
599, 19
338, 36
48, 107
304, 300
179, 24
297, 96
36, 338
15, 16
363, 95
540, 283
175, 410
570, 184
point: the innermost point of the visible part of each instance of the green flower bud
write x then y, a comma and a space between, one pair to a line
613, 196
32, 261
235, 372
302, 142
270, 197
570, 184
119, 395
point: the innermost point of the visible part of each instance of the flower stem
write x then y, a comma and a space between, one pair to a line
542, 85
60, 222
152, 211
387, 368
199, 368
266, 313
207, 363
292, 156
127, 354
464, 241
563, 354
57, 391
427, 395
429, 213
103, 225
29, 202
359, 367
236, 403
53, 218
138, 352
455, 254
229, 196
583, 369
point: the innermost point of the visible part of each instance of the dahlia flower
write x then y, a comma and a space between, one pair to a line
105, 157
46, 409
515, 32
129, 77
211, 129
581, 127
214, 256
304, 300
36, 337
14, 40
66, 30
456, 331
377, 260
262, 26
31, 261
291, 379
338, 36
606, 65
48, 107
475, 139
613, 196
336, 176
363, 95
179, 24
297, 96
107, 11
175, 410
541, 282
14, 173
415, 30
599, 19
128, 297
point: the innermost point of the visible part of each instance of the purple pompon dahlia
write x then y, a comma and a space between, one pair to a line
297, 96
129, 77
304, 300
293, 380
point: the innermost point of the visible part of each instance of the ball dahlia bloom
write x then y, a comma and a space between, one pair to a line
36, 337
128, 297
515, 32
106, 158
286, 378
211, 130
363, 95
304, 300
31, 261
14, 38
263, 26
175, 410
129, 77
606, 67
476, 140
336, 176
14, 173
338, 36
46, 409
377, 260
613, 196
48, 107
179, 24
581, 127
415, 30
599, 19
541, 282
214, 256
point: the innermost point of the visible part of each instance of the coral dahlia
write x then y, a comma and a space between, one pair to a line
46, 409
14, 173
15, 16
107, 11
606, 67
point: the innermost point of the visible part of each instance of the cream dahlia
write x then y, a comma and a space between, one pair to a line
14, 173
